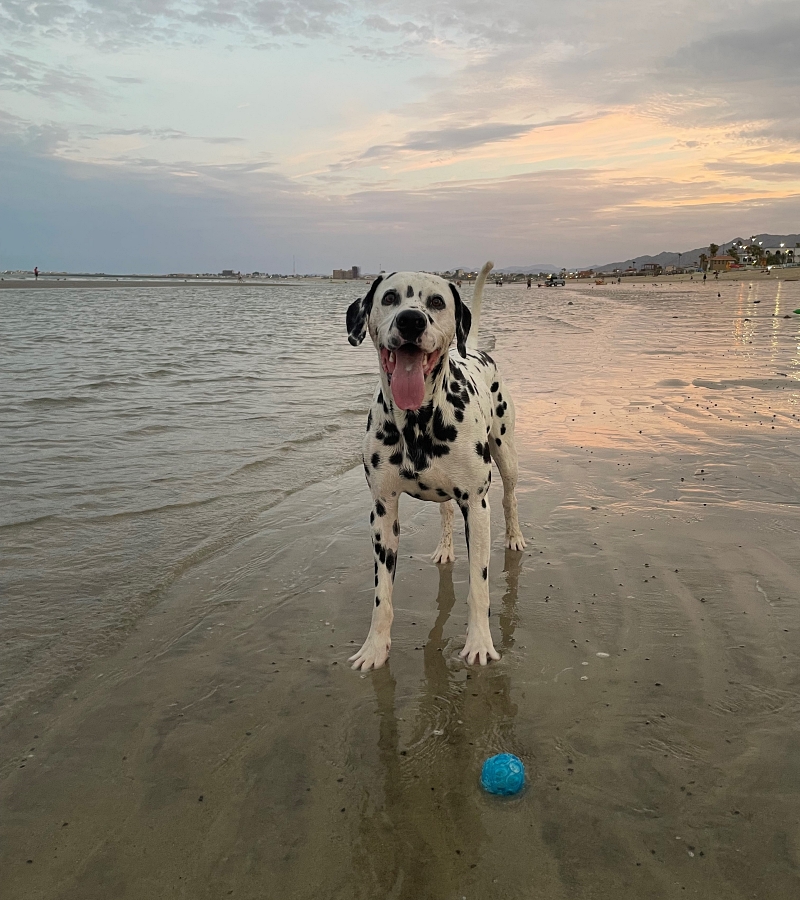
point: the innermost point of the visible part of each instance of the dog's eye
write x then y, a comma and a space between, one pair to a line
390, 298
436, 302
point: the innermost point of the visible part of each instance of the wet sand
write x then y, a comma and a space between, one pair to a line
228, 750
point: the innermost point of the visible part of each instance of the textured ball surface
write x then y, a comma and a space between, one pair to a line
503, 774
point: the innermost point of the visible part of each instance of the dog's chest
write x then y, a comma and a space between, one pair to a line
437, 453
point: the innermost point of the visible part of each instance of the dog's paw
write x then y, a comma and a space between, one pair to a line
515, 541
373, 654
444, 553
479, 649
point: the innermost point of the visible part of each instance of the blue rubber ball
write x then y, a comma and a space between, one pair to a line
503, 774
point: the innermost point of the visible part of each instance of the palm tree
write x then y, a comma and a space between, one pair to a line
703, 262
713, 249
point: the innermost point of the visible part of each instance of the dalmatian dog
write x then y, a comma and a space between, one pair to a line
438, 419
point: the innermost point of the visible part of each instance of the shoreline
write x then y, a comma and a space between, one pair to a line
67, 282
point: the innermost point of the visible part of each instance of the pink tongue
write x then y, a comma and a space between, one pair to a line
408, 380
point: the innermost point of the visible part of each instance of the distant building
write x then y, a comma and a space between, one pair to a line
651, 269
351, 274
721, 263
228, 273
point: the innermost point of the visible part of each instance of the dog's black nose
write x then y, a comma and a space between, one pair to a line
411, 323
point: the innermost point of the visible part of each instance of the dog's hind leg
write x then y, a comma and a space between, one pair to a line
444, 552
385, 542
504, 452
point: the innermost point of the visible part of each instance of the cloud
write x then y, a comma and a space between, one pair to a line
450, 139
138, 22
447, 139
782, 171
171, 134
25, 75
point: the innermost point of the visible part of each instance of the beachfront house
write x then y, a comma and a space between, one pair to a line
721, 263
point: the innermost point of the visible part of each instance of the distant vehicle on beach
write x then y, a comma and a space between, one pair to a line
553, 280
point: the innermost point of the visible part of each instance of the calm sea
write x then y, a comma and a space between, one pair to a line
142, 430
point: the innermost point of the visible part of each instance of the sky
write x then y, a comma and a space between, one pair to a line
196, 135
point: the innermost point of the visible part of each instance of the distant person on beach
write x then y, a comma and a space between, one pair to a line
704, 277
529, 282
36, 272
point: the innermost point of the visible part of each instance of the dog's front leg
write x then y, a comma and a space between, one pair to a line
479, 646
385, 541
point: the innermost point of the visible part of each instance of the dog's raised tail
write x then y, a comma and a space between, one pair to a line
475, 309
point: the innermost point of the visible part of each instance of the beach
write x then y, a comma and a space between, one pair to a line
202, 734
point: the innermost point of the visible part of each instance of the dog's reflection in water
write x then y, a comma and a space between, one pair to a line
421, 836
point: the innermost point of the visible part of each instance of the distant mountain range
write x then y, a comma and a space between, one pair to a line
692, 257
665, 258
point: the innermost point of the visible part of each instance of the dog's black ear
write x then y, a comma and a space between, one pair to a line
463, 322
358, 313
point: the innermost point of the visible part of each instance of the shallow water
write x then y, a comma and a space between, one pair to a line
142, 430
649, 671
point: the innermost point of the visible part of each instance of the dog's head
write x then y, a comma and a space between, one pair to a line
412, 319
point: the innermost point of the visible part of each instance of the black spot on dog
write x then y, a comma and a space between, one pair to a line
376, 460
483, 503
423, 487
499, 398
369, 421
390, 560
371, 518
377, 599
391, 435
458, 415
380, 509
409, 291
500, 409
456, 372
485, 573
457, 493
396, 458
442, 493
396, 527
495, 386
408, 473
502, 429
455, 400
498, 441
442, 431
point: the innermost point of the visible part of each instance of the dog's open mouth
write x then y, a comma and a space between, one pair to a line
408, 367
